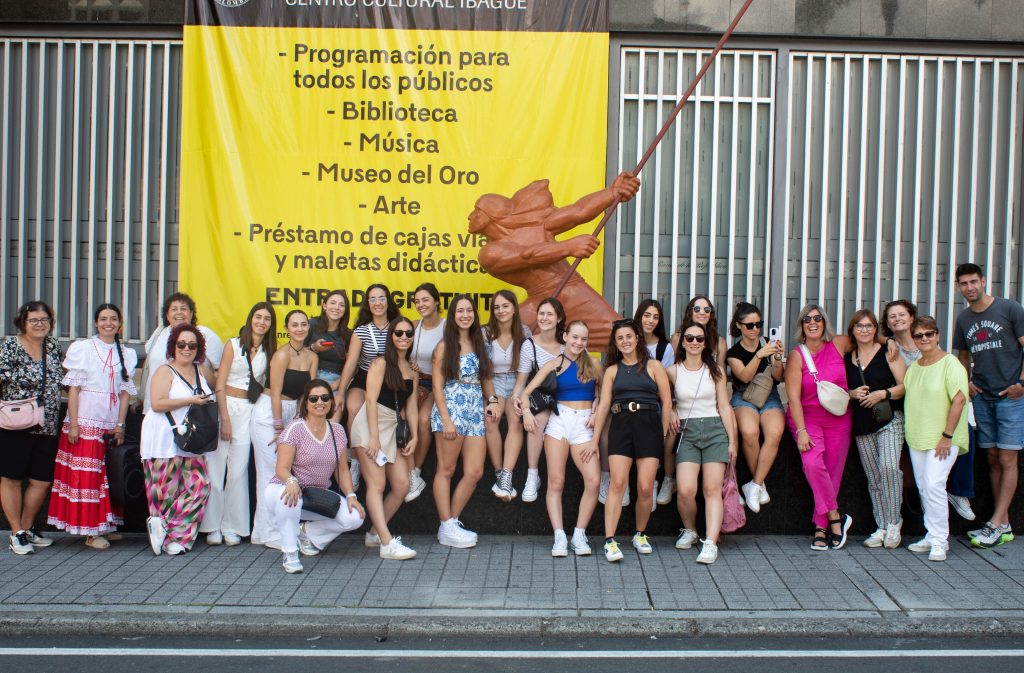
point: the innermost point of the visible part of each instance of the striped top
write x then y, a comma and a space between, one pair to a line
373, 341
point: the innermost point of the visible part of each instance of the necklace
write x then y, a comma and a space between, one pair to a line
298, 351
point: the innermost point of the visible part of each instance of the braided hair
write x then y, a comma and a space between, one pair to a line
117, 335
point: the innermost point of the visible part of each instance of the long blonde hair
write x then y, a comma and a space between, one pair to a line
586, 371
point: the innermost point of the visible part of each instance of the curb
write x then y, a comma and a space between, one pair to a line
336, 623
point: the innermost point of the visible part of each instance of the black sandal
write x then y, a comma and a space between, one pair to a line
820, 536
838, 540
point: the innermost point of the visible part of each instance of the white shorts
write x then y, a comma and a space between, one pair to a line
570, 424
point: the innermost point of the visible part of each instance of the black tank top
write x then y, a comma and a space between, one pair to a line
395, 398
634, 384
294, 383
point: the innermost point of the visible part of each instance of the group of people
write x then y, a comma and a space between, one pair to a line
337, 405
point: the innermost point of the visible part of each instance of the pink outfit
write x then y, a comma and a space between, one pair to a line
824, 461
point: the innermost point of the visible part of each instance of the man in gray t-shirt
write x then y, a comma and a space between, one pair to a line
990, 335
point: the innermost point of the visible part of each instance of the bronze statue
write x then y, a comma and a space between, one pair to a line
521, 248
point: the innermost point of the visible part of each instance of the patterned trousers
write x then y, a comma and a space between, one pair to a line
880, 456
177, 490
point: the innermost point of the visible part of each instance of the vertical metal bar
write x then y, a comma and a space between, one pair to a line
990, 244
897, 223
75, 159
769, 191
955, 191
93, 170
616, 283
862, 204
752, 190
129, 132
843, 195
143, 304
808, 108
733, 177
1011, 167
23, 167
162, 222
40, 171
713, 220
975, 123
4, 168
656, 225
695, 176
936, 183
58, 169
880, 197
639, 200
670, 308
826, 137
787, 204
916, 238
111, 117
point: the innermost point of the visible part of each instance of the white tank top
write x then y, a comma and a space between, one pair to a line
238, 376
425, 341
697, 383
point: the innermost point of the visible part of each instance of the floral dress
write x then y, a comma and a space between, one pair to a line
464, 399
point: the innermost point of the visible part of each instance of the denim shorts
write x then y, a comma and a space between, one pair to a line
503, 384
774, 402
329, 377
1000, 423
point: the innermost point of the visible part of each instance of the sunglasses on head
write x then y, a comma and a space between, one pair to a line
326, 397
694, 338
752, 325
187, 345
703, 309
812, 318
404, 333
927, 334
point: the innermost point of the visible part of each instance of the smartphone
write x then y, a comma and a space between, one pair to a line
382, 458
328, 344
775, 333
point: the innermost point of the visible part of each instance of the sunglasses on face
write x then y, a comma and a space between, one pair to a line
376, 300
922, 336
693, 338
752, 325
807, 319
325, 398
187, 345
403, 333
703, 309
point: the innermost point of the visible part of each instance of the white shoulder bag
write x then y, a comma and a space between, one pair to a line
835, 400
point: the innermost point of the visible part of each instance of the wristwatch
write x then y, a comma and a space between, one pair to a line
888, 394
947, 435
493, 399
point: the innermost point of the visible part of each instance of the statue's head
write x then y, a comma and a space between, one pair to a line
527, 206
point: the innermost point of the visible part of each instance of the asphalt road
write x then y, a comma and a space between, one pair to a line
195, 654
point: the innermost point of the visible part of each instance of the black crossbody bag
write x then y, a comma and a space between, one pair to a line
324, 501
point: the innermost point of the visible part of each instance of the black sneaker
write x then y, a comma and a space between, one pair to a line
36, 538
20, 543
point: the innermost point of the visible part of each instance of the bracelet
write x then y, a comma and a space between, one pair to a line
799, 430
947, 435
351, 495
291, 480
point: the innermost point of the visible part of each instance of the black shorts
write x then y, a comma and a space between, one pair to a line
27, 455
636, 434
359, 380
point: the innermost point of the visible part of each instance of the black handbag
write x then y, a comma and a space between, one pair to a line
881, 413
543, 396
324, 501
199, 431
402, 429
255, 387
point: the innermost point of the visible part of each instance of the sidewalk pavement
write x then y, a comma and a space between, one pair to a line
512, 585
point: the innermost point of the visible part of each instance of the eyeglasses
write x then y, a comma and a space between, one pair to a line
376, 300
694, 338
752, 325
924, 336
403, 333
38, 321
812, 318
187, 345
326, 397
864, 327
703, 309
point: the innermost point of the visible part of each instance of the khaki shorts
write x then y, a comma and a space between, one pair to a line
703, 441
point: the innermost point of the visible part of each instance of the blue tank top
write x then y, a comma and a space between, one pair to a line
571, 390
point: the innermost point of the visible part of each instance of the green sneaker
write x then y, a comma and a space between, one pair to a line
993, 537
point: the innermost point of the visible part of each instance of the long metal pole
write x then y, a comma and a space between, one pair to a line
661, 134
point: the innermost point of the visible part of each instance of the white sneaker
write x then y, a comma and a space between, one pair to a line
20, 543
353, 468
371, 539
560, 548
763, 496
232, 539
612, 552
465, 531
416, 485
451, 534
641, 543
174, 548
668, 488
920, 547
708, 553
937, 552
157, 533
396, 551
532, 486
292, 564
654, 496
687, 536
874, 540
893, 535
215, 538
962, 506
602, 492
580, 545
306, 546
625, 497
752, 494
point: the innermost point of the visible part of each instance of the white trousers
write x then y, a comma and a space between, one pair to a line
930, 473
227, 510
320, 530
264, 444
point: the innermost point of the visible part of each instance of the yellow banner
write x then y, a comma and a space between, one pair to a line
323, 158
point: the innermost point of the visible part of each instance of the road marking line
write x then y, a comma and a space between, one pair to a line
502, 654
